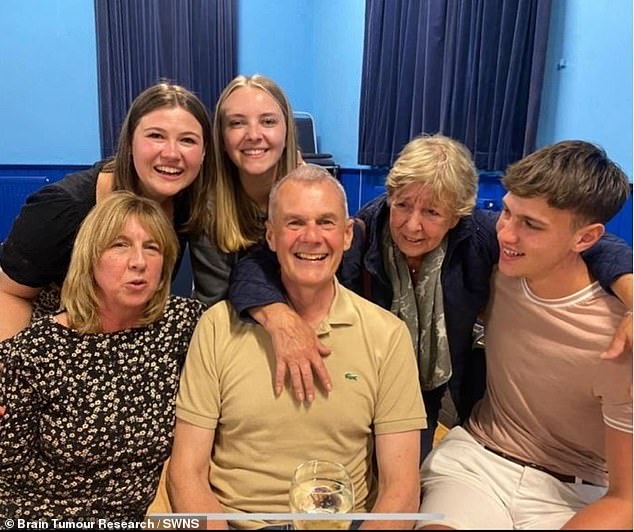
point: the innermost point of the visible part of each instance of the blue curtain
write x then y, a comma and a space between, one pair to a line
470, 69
140, 42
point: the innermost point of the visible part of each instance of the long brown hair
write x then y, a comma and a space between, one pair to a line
159, 96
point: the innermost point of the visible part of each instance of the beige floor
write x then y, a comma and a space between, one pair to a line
441, 430
161, 503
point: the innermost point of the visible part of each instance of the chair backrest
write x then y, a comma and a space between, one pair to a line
307, 140
306, 136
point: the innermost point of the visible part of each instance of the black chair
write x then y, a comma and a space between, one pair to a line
307, 140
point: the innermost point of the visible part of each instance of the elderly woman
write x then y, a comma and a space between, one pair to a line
427, 256
90, 391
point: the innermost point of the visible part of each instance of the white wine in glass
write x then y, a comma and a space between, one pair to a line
321, 487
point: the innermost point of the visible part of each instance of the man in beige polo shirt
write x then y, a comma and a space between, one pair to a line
550, 444
237, 444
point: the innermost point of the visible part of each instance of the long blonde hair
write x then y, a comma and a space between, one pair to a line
235, 221
98, 230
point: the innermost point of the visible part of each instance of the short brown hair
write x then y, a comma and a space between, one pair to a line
159, 96
98, 230
573, 175
443, 163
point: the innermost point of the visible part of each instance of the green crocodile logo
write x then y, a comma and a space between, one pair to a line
351, 376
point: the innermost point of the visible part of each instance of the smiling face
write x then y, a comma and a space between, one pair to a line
309, 231
417, 225
128, 272
539, 242
167, 152
253, 131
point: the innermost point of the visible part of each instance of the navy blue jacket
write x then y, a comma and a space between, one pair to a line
472, 252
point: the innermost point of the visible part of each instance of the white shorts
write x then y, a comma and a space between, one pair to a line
477, 489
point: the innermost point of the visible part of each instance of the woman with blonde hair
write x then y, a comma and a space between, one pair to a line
254, 143
89, 392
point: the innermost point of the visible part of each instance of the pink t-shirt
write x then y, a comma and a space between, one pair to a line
549, 395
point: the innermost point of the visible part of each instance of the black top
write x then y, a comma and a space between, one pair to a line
38, 249
90, 417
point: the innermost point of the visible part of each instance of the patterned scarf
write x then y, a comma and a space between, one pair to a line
422, 309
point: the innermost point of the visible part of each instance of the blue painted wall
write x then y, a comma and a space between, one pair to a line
48, 90
313, 49
315, 55
591, 97
338, 60
275, 39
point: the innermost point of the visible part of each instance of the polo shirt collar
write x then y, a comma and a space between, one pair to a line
342, 311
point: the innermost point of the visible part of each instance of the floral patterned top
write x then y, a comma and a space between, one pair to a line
90, 417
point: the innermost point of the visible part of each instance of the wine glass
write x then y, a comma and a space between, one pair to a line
319, 486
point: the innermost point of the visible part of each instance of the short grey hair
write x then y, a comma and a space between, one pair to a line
306, 173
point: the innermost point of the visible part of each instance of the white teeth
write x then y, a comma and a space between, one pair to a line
413, 240
168, 170
258, 151
512, 253
311, 256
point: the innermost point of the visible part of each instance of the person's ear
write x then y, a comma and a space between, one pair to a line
587, 236
349, 234
270, 238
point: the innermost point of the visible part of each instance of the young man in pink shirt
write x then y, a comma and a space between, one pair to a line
550, 444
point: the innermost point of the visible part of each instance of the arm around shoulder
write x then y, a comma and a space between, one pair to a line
486, 234
256, 289
610, 258
256, 281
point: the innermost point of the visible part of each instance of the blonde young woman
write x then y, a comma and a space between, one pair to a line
254, 143
90, 391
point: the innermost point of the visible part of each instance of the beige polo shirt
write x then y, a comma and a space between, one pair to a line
227, 385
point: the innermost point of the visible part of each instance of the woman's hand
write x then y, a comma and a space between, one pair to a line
297, 350
622, 339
